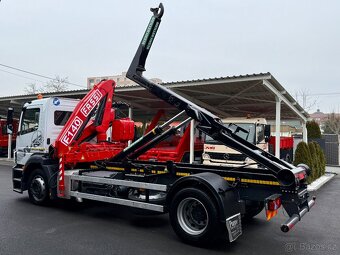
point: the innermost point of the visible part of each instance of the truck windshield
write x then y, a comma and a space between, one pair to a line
249, 135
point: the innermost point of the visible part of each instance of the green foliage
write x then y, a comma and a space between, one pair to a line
312, 155
313, 130
302, 155
314, 164
322, 159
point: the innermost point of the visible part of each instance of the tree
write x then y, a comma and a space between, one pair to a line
312, 155
58, 84
32, 88
322, 159
303, 156
313, 130
332, 124
304, 98
315, 166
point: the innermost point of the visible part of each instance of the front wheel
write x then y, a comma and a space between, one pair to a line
38, 187
194, 216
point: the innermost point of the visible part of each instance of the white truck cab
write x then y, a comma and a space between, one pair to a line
40, 123
254, 130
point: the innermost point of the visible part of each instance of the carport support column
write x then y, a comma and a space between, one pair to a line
304, 132
192, 141
277, 127
130, 117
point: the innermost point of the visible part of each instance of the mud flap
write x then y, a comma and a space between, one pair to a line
234, 227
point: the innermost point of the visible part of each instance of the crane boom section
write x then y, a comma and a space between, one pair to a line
80, 126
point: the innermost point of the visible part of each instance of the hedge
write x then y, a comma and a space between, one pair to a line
315, 166
312, 155
322, 160
302, 155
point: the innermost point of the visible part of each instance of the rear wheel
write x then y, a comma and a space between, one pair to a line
194, 216
38, 187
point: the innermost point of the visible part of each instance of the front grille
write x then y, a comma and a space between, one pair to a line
227, 156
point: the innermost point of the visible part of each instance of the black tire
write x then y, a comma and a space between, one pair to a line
194, 217
253, 208
38, 189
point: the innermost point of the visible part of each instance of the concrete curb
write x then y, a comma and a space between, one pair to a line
6, 162
333, 169
318, 183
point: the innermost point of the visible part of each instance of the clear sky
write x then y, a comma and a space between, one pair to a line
297, 41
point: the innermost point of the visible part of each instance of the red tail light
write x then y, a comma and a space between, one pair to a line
301, 176
275, 204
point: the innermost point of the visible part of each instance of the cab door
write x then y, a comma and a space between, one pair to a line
29, 136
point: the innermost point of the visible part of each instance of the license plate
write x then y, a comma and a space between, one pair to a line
234, 227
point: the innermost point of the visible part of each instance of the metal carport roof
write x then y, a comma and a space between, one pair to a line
254, 94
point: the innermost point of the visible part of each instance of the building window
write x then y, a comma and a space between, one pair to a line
91, 83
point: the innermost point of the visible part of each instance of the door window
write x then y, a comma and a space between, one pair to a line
30, 120
260, 133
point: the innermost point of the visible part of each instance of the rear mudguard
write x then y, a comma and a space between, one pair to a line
225, 196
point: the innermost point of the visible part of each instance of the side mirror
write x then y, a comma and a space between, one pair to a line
266, 133
10, 120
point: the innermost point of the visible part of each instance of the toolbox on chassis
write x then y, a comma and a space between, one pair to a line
204, 202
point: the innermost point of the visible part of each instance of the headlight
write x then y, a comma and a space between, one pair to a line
205, 156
